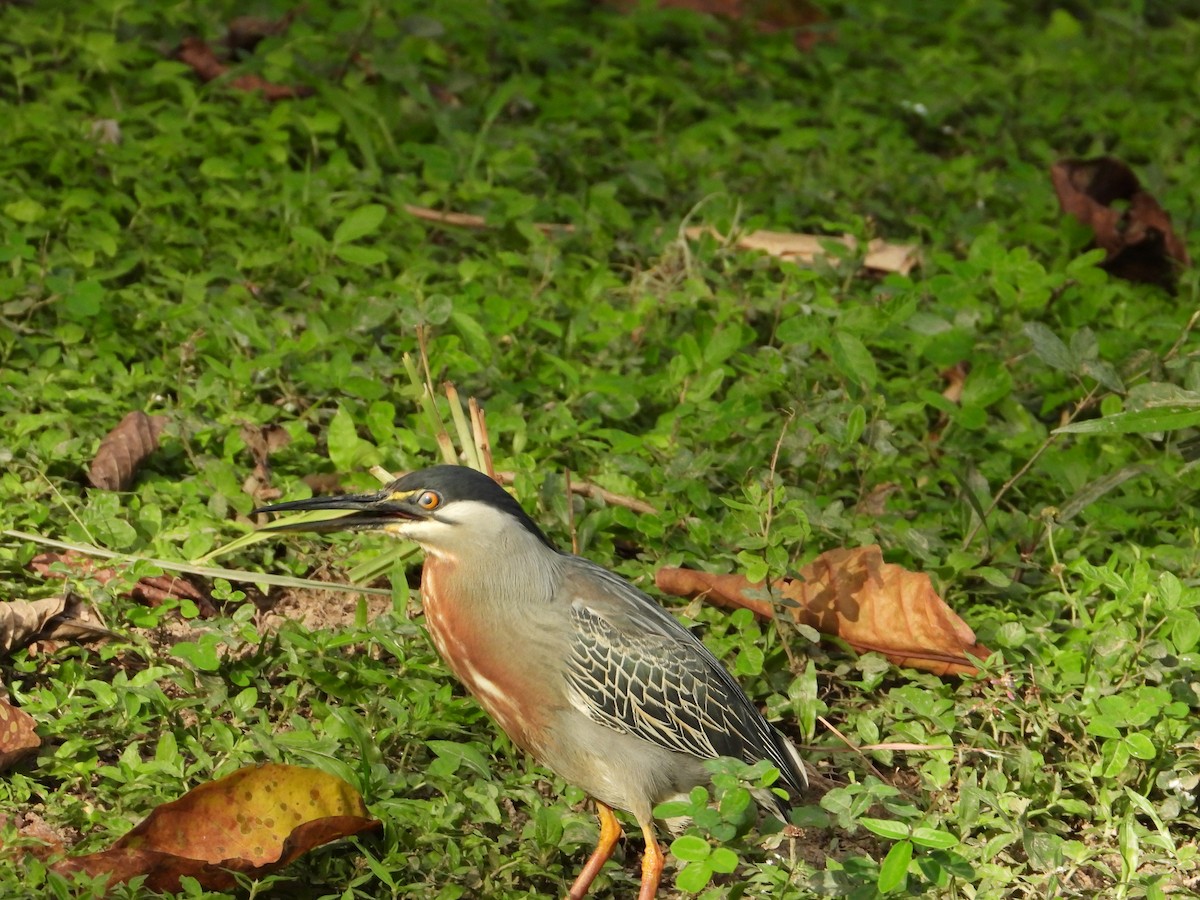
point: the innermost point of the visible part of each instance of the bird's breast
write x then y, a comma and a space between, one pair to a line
488, 655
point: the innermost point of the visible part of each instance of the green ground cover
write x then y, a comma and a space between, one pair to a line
231, 262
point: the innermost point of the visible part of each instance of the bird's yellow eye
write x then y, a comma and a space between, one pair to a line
429, 500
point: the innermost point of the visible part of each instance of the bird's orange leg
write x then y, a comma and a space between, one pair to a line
610, 833
652, 864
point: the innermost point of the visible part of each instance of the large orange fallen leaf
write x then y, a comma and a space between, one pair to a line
856, 596
17, 736
254, 821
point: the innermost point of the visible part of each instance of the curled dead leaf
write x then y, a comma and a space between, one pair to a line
124, 449
805, 249
18, 737
254, 822
22, 621
1138, 240
856, 596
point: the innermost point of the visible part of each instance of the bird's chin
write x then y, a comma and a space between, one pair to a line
408, 529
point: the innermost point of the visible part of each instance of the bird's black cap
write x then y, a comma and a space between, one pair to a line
453, 483
464, 483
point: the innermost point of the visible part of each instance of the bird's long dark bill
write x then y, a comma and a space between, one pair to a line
363, 511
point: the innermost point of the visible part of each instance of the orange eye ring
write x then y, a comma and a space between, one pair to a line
429, 500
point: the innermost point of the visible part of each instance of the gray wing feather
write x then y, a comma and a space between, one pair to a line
634, 668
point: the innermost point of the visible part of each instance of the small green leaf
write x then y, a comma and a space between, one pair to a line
308, 237
1100, 726
359, 256
202, 654
893, 872
461, 755
547, 827
342, 439
220, 168
694, 877
1049, 348
690, 848
1044, 849
750, 661
1115, 757
361, 222
673, 809
853, 358
723, 860
84, 299
1140, 746
474, 334
1185, 629
856, 423
25, 210
886, 828
934, 838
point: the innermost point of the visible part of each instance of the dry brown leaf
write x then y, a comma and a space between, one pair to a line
124, 449
470, 220
153, 590
874, 502
1138, 240
324, 483
805, 249
37, 838
200, 57
768, 16
255, 821
22, 621
245, 32
262, 441
18, 737
856, 596
955, 377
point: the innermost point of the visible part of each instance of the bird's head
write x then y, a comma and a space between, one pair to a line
445, 509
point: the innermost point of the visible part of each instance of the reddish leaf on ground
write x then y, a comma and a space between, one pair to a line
255, 821
37, 838
200, 57
856, 596
1137, 238
768, 16
17, 735
124, 449
245, 32
153, 590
